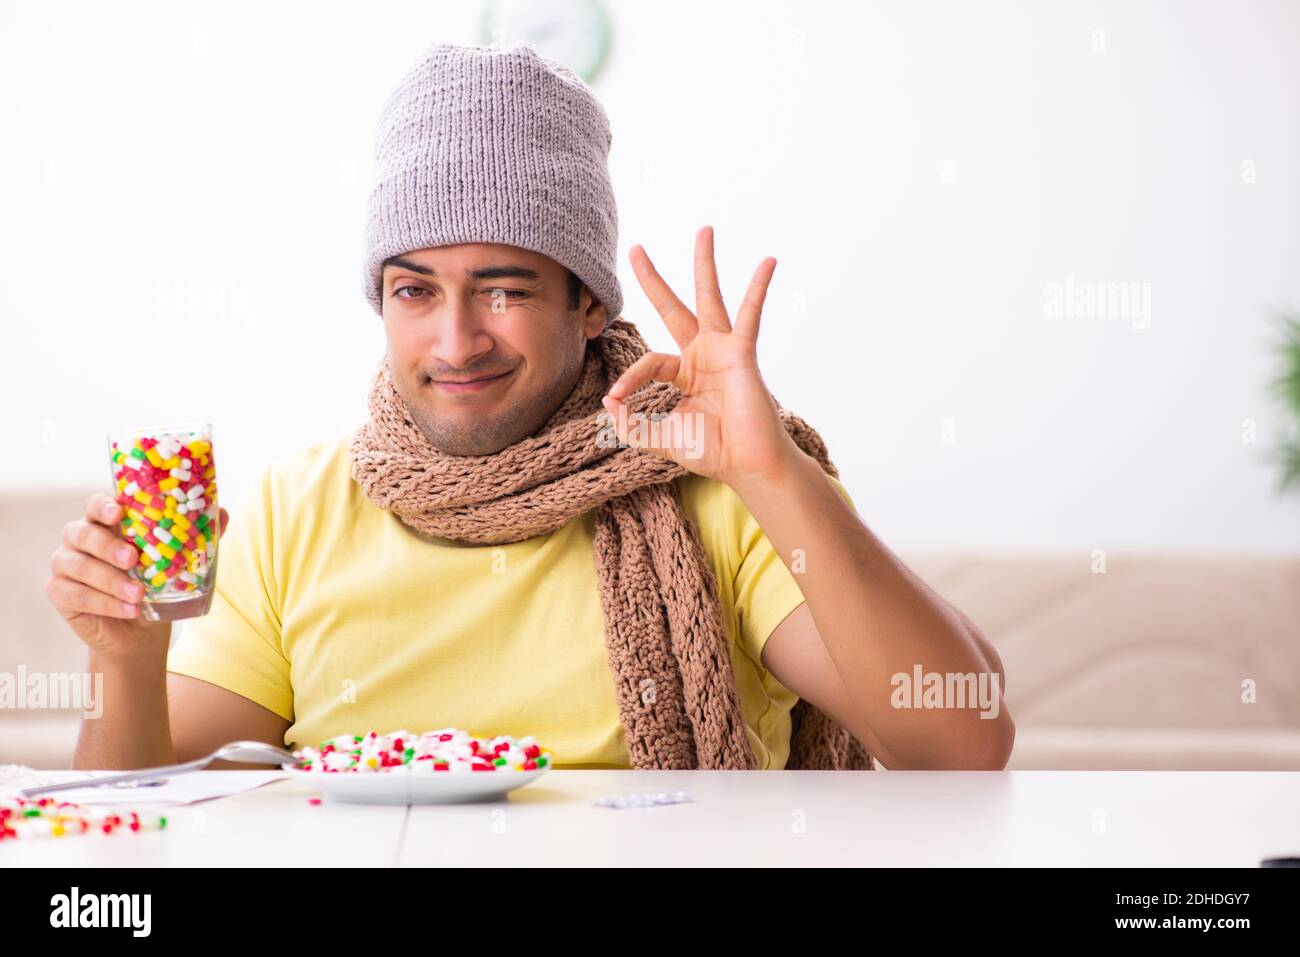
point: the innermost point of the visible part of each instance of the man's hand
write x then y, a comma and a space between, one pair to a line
726, 424
89, 585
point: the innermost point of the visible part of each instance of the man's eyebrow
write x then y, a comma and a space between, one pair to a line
406, 264
486, 272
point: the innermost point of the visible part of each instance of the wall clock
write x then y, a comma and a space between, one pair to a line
572, 32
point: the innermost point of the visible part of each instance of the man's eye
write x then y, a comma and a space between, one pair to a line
508, 293
401, 289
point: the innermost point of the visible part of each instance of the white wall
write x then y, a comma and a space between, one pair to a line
921, 171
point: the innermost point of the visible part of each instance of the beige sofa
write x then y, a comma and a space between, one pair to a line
1140, 667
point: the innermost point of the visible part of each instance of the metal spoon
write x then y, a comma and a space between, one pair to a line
251, 752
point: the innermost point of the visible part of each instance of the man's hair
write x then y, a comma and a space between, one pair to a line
575, 289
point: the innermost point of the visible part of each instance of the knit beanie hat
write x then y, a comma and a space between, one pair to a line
494, 145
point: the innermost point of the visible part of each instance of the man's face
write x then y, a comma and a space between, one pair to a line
478, 310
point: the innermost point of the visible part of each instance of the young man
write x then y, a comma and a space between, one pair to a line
543, 528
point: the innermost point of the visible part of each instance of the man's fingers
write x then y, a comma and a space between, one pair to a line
708, 297
101, 508
72, 598
82, 568
99, 542
659, 366
747, 317
679, 320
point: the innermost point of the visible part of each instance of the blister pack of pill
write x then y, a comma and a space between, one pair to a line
643, 799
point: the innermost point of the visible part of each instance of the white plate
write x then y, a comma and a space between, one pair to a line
424, 787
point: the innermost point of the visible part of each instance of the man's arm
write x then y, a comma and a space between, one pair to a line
131, 730
152, 717
868, 617
205, 716
873, 617
796, 657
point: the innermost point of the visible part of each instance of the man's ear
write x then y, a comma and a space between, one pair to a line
593, 313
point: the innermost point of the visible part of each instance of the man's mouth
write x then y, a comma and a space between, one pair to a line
470, 385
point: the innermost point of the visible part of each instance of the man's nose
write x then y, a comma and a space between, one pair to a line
461, 336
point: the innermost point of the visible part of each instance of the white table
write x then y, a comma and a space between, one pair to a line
762, 818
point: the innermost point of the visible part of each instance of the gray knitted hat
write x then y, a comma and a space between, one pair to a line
495, 145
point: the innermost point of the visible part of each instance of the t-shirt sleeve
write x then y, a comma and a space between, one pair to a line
765, 590
237, 644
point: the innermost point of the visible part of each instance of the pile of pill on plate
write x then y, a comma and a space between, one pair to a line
166, 485
448, 749
48, 817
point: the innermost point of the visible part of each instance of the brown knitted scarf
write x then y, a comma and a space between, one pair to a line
668, 650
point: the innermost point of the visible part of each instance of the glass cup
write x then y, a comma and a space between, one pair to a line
165, 479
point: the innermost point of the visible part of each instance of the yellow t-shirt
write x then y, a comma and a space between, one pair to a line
333, 614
